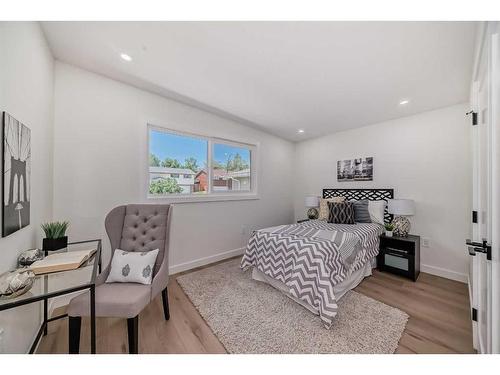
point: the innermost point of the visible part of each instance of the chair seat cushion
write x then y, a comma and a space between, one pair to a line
120, 300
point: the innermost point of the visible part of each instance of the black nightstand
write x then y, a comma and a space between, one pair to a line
302, 220
400, 255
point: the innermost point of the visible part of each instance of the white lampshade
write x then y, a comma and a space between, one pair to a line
312, 201
401, 207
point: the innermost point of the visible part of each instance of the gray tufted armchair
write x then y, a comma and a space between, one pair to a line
134, 227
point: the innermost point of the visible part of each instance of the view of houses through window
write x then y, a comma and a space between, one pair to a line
230, 168
178, 164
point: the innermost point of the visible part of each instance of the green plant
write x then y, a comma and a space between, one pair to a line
164, 186
56, 229
389, 227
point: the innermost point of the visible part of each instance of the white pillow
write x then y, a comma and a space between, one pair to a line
376, 211
132, 266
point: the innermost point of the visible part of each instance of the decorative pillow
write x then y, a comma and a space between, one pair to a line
341, 213
361, 213
132, 266
376, 210
324, 212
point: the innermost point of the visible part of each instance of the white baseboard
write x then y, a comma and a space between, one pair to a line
204, 261
443, 272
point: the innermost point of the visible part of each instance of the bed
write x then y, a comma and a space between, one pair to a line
316, 263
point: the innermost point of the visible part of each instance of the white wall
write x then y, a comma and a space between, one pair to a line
27, 93
425, 157
100, 156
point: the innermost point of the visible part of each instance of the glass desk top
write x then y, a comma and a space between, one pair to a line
58, 283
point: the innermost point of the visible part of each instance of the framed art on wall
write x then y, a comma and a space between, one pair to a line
16, 170
360, 169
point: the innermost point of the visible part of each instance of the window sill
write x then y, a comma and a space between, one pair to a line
205, 198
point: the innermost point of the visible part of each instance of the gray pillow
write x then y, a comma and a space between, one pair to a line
361, 213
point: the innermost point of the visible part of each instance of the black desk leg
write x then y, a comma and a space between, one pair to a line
45, 307
45, 317
92, 319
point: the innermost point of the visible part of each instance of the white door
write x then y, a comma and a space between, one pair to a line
495, 192
486, 146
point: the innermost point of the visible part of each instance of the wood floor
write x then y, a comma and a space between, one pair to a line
438, 308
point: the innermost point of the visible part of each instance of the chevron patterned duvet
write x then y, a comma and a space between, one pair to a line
311, 257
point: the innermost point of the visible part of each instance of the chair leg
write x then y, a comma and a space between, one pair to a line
75, 323
133, 335
164, 297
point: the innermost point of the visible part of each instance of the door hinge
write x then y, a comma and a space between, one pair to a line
477, 247
474, 117
474, 314
474, 217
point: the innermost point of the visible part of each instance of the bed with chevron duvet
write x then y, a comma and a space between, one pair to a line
315, 263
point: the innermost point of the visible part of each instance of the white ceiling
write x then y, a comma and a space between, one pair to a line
322, 77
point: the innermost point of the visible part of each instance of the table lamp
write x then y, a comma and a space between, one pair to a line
401, 208
312, 202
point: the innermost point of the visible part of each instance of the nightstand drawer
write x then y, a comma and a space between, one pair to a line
396, 261
397, 245
400, 255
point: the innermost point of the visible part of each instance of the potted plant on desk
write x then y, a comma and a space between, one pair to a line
388, 230
55, 236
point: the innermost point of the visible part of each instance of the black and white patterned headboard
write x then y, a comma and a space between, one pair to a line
358, 194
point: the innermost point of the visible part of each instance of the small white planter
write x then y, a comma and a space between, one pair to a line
388, 233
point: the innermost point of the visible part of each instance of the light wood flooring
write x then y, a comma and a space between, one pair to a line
438, 308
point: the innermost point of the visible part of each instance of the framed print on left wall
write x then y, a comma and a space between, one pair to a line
16, 174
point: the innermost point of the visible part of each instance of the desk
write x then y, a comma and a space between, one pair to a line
56, 284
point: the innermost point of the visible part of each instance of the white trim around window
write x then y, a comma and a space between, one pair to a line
211, 195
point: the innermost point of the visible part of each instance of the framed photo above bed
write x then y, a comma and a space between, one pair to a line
360, 169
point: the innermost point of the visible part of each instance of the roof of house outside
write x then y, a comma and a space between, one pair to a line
242, 173
221, 173
170, 170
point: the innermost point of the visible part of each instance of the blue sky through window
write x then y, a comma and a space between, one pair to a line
180, 147
222, 152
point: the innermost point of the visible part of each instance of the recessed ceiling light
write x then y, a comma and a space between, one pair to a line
125, 57
403, 102
300, 131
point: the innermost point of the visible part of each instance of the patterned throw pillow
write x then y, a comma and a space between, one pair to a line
132, 266
361, 213
324, 212
341, 213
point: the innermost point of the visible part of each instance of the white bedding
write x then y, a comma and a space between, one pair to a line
314, 260
340, 290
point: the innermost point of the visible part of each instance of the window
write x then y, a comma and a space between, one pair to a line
196, 166
231, 168
171, 155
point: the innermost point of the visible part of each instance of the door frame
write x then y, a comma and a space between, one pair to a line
487, 61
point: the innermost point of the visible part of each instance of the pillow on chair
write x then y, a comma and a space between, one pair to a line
132, 266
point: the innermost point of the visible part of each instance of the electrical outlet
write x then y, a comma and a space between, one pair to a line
426, 242
244, 230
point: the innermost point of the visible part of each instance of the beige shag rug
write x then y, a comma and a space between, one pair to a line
252, 317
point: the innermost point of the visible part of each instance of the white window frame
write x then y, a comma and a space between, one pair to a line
211, 195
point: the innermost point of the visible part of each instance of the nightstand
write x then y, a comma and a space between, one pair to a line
400, 255
302, 221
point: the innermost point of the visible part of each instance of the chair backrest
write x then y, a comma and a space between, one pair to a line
140, 227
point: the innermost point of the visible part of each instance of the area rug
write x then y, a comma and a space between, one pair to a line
249, 316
